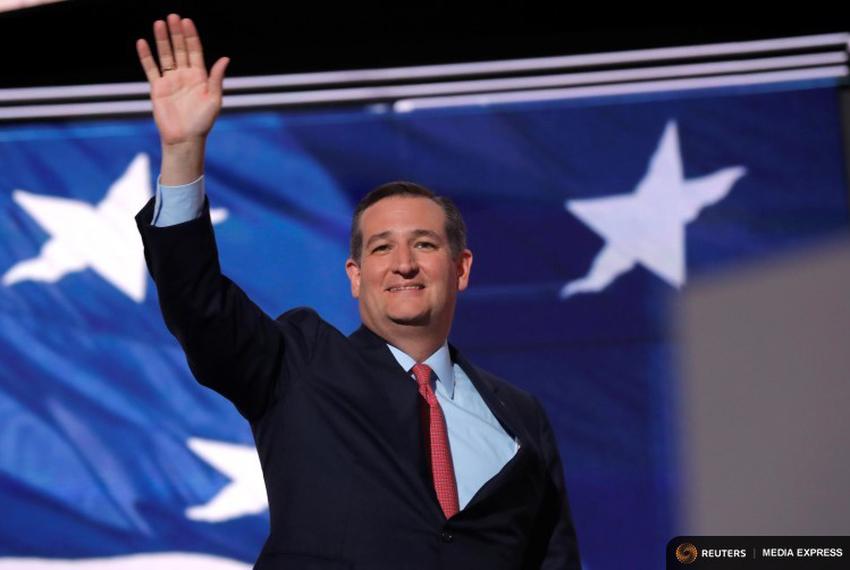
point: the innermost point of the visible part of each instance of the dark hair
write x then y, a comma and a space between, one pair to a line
455, 228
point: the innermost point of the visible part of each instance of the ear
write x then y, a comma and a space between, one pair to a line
353, 271
463, 266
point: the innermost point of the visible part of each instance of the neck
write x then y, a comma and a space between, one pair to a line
418, 351
417, 343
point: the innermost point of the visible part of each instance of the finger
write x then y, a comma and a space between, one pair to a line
193, 44
175, 29
217, 76
146, 59
163, 45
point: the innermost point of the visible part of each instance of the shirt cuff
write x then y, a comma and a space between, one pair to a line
177, 204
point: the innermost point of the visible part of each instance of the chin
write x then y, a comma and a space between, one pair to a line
419, 320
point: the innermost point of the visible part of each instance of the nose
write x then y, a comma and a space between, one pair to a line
405, 262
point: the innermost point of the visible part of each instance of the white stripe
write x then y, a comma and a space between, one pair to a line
75, 109
541, 63
548, 81
408, 105
421, 93
157, 561
445, 70
12, 5
74, 91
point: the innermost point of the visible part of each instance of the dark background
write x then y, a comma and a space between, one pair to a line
92, 41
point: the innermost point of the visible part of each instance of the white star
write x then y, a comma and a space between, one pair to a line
145, 561
648, 226
82, 236
244, 495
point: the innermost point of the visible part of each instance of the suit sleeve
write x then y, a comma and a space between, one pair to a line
231, 345
558, 545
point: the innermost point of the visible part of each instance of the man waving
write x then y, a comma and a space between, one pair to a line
385, 449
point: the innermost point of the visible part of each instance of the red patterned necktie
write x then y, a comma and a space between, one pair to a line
442, 470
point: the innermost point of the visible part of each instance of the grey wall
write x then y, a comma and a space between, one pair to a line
765, 400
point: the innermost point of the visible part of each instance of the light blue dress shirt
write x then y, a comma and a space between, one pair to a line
479, 445
177, 204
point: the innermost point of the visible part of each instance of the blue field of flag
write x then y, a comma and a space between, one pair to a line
586, 219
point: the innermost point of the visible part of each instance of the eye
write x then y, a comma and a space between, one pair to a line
425, 245
380, 248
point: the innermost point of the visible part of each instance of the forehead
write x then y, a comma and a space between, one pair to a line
401, 214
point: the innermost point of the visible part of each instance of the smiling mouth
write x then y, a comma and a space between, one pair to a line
401, 288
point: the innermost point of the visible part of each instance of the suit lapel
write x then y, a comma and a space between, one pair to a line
397, 409
489, 392
400, 405
390, 381
509, 417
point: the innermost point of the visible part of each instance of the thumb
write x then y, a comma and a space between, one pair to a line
217, 75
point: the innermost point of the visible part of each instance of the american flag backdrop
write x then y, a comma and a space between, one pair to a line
587, 217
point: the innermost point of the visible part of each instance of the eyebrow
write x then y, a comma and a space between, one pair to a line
426, 233
415, 234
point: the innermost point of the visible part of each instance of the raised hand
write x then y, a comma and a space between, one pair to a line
186, 101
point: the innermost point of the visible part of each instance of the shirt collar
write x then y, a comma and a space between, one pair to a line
440, 362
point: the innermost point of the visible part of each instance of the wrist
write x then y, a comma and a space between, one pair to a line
182, 162
185, 146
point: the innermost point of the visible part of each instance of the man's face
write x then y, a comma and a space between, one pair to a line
406, 276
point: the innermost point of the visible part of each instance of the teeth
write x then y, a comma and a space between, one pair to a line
406, 288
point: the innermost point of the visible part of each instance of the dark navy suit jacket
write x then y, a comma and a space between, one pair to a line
337, 426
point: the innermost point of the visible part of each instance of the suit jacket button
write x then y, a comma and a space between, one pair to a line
446, 536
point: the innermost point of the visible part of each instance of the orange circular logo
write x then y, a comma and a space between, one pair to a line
686, 553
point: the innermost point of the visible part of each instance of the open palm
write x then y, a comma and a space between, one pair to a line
186, 101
